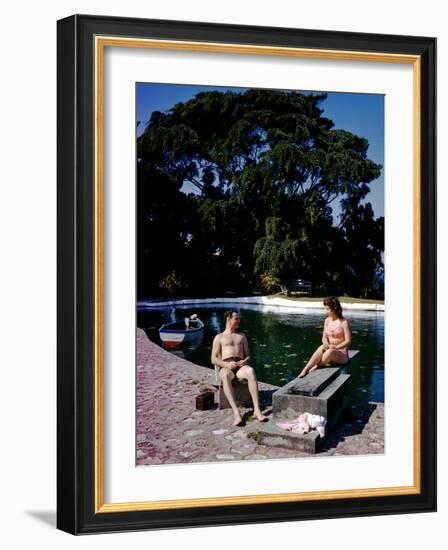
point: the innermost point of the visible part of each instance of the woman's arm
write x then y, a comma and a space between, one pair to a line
325, 340
347, 336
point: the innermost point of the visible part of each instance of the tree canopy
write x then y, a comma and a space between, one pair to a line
234, 187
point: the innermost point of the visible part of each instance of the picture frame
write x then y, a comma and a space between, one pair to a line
82, 41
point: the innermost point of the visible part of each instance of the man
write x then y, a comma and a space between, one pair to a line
230, 352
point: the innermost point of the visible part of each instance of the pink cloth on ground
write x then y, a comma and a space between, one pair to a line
304, 424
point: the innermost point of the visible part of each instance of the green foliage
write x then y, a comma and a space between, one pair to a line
268, 283
171, 283
262, 169
276, 252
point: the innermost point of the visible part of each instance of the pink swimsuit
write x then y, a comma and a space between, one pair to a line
334, 330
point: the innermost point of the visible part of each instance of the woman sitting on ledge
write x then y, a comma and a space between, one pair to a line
336, 338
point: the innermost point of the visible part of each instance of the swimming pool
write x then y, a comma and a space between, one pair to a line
281, 340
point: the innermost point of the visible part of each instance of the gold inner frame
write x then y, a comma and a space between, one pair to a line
101, 42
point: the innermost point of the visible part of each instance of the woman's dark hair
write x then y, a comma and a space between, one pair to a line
335, 305
228, 314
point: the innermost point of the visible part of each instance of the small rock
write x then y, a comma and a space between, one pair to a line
225, 457
241, 451
192, 433
236, 435
220, 432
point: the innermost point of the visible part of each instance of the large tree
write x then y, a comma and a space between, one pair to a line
248, 158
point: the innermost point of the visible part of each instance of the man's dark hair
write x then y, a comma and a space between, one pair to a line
228, 314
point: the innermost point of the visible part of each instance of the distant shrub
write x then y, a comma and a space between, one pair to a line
269, 283
171, 283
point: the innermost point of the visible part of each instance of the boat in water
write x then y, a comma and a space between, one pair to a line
183, 331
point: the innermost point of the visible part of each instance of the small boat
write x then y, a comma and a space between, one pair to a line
181, 332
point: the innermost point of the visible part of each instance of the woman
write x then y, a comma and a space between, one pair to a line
336, 338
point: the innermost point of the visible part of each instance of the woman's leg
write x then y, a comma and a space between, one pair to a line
332, 356
315, 359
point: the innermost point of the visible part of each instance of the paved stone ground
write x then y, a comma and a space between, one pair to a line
170, 430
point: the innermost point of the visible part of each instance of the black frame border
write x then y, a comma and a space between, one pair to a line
76, 263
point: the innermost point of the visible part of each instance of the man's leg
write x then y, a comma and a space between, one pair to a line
227, 376
248, 373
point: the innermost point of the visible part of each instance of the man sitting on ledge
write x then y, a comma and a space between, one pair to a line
230, 352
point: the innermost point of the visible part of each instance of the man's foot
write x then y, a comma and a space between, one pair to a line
261, 417
303, 373
237, 421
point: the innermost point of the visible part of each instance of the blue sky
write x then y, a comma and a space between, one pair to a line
361, 114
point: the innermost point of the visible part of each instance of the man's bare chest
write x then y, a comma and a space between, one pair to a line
231, 340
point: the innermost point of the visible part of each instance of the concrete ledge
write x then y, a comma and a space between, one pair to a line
274, 436
330, 403
314, 382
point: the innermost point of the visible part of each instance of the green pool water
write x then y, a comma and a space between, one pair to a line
281, 341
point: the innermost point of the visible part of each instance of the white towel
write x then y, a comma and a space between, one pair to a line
305, 423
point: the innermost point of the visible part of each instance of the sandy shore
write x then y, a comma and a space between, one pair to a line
170, 429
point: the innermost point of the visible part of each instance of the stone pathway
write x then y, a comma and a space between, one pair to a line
170, 430
361, 433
